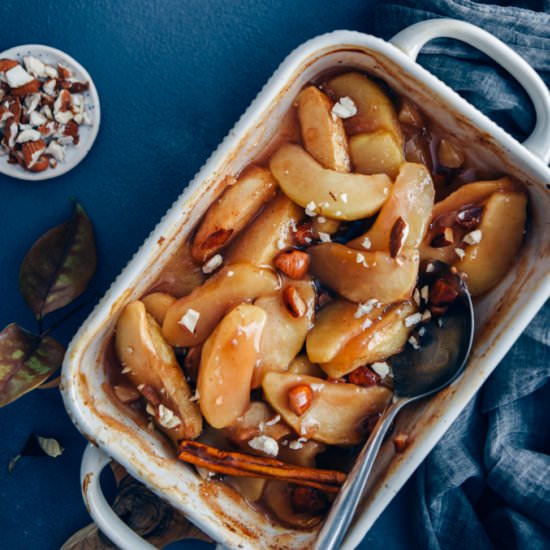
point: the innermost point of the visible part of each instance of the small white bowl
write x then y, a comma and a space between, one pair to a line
73, 154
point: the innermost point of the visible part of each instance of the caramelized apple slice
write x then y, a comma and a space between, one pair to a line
376, 153
268, 234
444, 213
385, 337
230, 213
472, 193
361, 276
324, 225
301, 452
375, 111
227, 363
190, 320
277, 497
321, 422
323, 135
335, 325
302, 365
258, 419
250, 488
157, 304
181, 274
332, 194
285, 334
502, 229
150, 363
412, 199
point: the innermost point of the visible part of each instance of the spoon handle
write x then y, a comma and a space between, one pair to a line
343, 508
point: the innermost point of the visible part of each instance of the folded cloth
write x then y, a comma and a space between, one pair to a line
467, 70
487, 482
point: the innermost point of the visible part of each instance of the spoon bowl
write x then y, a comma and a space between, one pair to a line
436, 358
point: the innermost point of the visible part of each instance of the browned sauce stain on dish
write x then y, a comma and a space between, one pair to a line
85, 484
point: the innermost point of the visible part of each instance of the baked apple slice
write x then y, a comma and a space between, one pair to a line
229, 214
444, 216
150, 364
335, 325
411, 199
375, 111
268, 234
363, 275
336, 195
190, 320
320, 422
323, 135
376, 153
385, 335
157, 304
228, 359
501, 230
285, 333
278, 498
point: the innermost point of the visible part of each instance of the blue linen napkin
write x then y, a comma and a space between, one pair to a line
487, 482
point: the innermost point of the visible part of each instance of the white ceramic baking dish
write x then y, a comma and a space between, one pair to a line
501, 316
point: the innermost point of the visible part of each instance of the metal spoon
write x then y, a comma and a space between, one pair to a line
441, 358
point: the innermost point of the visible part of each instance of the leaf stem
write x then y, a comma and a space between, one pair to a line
65, 317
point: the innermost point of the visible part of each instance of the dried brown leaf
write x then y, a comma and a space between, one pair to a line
59, 265
26, 361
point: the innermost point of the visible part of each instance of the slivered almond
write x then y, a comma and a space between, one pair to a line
398, 236
243, 465
294, 302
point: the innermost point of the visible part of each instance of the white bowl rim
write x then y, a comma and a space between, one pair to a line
83, 148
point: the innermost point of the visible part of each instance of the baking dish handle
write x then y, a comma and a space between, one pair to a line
93, 462
108, 522
413, 38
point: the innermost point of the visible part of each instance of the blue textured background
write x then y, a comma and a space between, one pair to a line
173, 77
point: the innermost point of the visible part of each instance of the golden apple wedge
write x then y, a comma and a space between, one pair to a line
377, 152
149, 361
191, 319
268, 234
412, 199
336, 195
362, 275
320, 423
502, 230
228, 359
323, 135
375, 111
229, 214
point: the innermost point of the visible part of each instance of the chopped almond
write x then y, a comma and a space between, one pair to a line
294, 302
300, 398
401, 441
293, 264
445, 238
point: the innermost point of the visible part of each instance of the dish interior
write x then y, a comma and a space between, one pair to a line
214, 507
